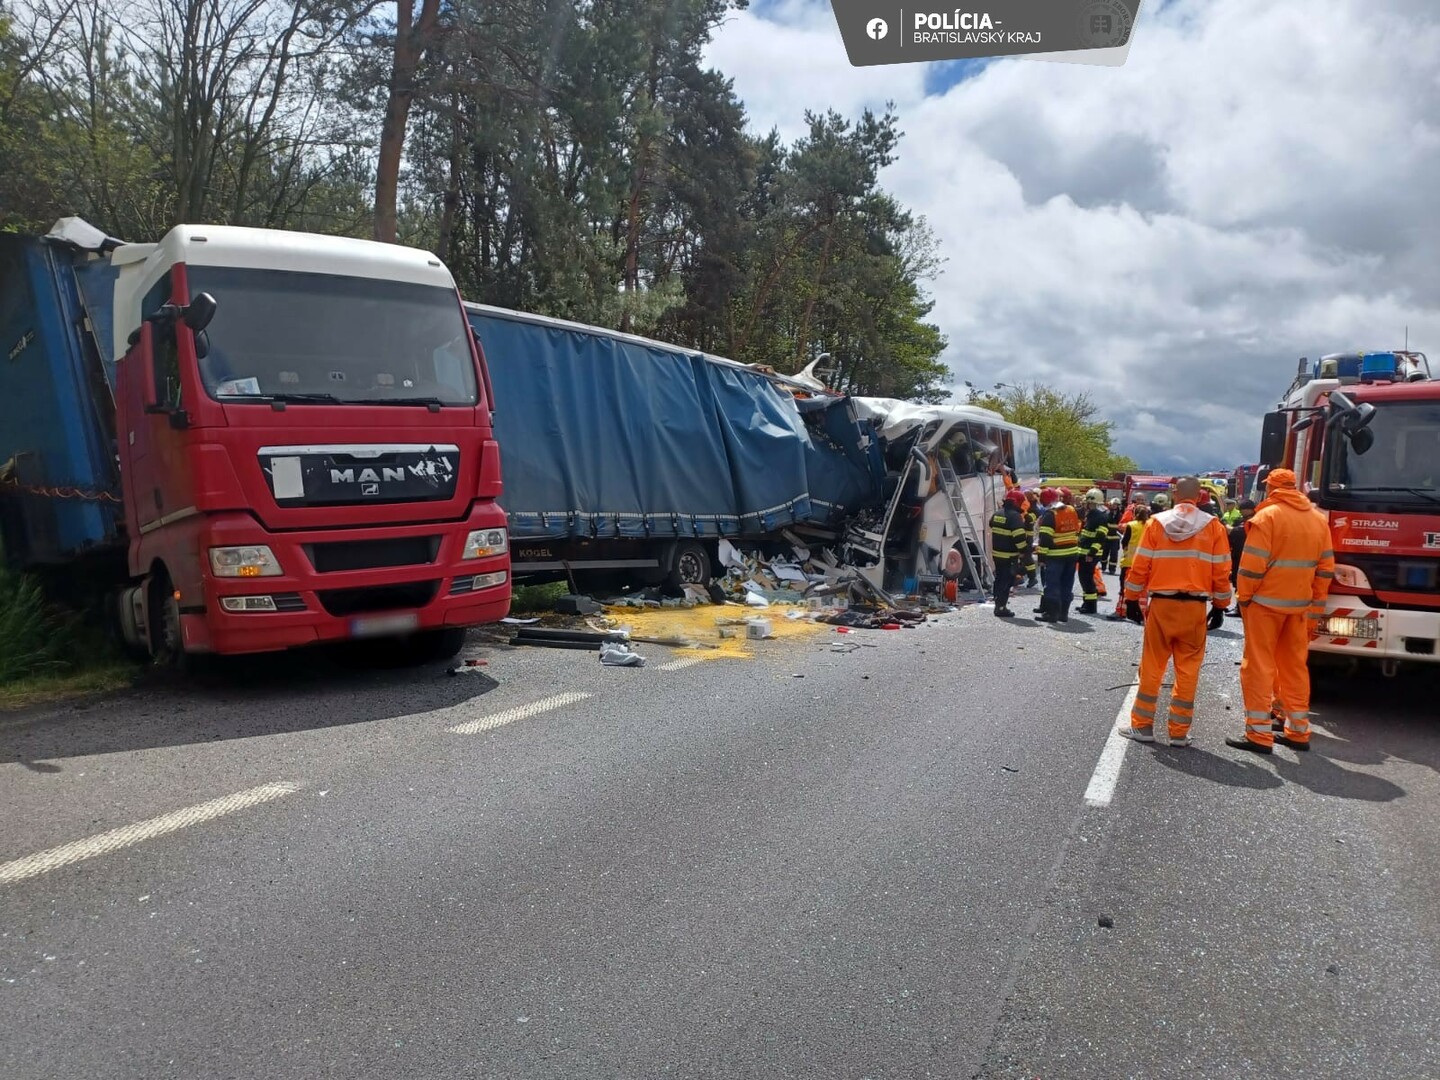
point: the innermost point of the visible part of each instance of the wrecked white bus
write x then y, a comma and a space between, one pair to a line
948, 467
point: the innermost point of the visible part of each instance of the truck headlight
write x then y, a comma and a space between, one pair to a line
1352, 577
482, 543
248, 603
244, 562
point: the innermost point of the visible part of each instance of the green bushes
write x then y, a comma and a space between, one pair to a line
35, 637
536, 598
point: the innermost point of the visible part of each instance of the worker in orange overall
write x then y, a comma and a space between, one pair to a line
1183, 565
1285, 572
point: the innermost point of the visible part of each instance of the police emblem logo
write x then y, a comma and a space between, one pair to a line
1105, 24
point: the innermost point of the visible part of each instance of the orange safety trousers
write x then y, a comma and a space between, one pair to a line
1173, 629
1277, 645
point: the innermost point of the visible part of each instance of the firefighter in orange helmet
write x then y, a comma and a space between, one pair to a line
1285, 572
1183, 565
1059, 550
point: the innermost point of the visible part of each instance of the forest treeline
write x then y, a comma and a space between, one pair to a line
576, 159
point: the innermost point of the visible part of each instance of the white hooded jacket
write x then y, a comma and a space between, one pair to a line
1183, 522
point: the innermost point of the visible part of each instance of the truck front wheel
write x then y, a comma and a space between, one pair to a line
432, 646
167, 640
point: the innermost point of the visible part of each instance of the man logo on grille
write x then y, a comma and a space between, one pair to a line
877, 28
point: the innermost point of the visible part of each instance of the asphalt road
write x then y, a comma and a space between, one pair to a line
877, 863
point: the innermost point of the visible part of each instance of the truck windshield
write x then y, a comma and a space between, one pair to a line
1402, 468
327, 338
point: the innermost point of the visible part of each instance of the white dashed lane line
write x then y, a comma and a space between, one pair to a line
1107, 769
519, 712
127, 835
683, 662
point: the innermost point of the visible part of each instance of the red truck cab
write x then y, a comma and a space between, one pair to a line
305, 444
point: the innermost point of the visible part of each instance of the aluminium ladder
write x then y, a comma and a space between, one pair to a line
980, 572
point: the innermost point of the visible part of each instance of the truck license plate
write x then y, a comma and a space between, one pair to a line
383, 625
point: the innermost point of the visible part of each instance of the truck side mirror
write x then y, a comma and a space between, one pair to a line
485, 383
918, 456
1273, 437
198, 313
143, 339
1358, 419
1362, 440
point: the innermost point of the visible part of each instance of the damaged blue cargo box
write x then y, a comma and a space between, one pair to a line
609, 436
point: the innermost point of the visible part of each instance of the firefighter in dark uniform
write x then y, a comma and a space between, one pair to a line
1007, 542
1112, 546
1094, 534
1029, 564
1059, 531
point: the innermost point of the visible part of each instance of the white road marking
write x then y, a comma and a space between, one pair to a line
520, 712
115, 839
683, 662
1107, 769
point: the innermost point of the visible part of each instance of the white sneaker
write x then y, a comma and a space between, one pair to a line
1184, 740
1139, 734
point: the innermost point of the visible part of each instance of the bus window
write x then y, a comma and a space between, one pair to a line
959, 448
982, 448
996, 441
1027, 454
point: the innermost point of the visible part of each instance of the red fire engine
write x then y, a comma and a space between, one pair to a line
1362, 433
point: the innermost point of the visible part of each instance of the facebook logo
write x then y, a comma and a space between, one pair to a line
877, 28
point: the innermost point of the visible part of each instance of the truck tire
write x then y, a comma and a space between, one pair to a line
167, 644
689, 565
433, 646
117, 624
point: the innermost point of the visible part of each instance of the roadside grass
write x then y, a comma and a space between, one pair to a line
45, 689
47, 652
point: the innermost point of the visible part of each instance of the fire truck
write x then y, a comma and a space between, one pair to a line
1242, 483
1362, 433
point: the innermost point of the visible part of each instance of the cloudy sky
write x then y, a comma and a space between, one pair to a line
1258, 182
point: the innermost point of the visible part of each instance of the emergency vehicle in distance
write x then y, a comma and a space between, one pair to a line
1362, 433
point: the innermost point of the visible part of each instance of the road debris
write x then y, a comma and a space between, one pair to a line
618, 654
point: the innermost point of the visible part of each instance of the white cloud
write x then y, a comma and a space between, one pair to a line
1257, 183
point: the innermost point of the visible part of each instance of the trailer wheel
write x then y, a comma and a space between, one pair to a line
690, 565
